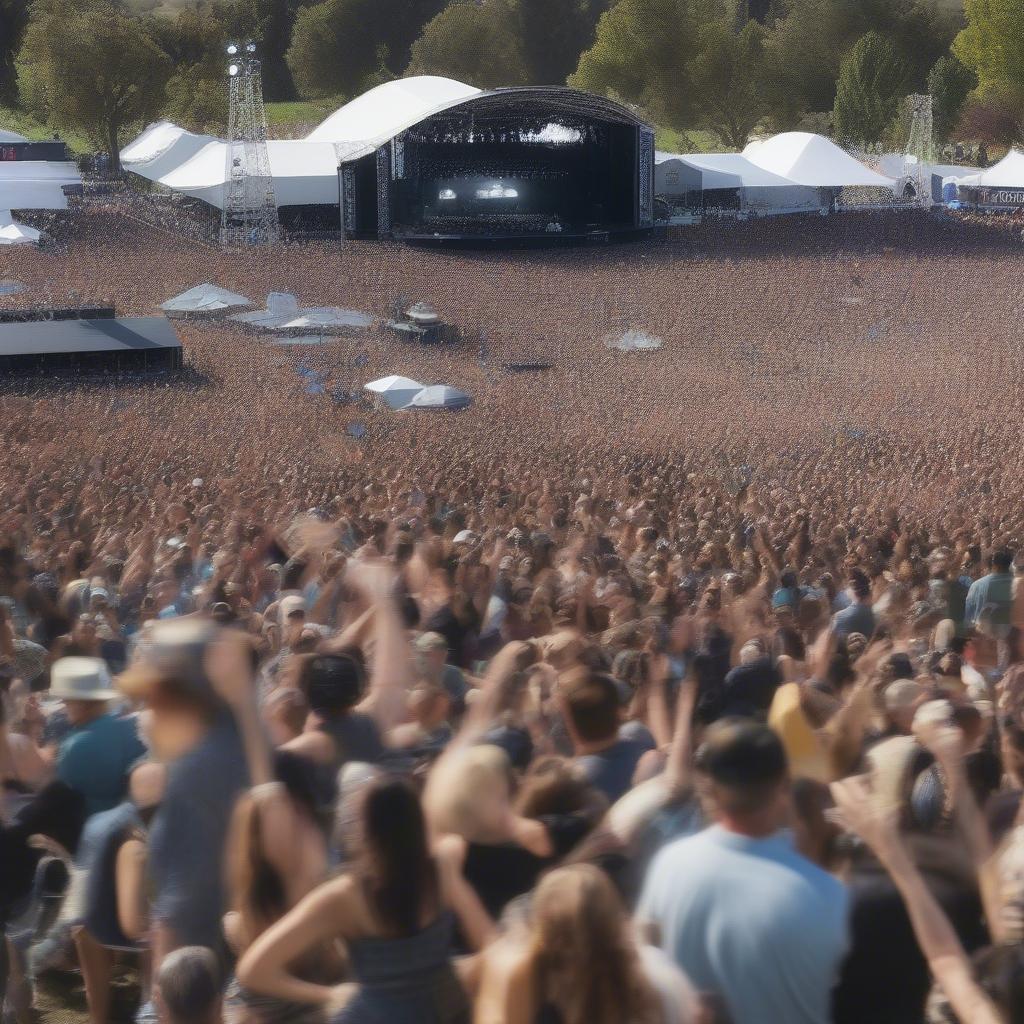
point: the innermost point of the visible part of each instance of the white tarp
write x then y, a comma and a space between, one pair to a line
205, 299
440, 396
396, 390
814, 161
13, 233
1008, 173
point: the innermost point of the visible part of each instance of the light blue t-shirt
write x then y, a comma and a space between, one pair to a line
752, 921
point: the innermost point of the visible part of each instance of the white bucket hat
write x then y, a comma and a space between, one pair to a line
81, 679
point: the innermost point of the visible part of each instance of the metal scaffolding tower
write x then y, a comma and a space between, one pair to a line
250, 209
920, 152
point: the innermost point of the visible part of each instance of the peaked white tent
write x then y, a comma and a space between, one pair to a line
395, 390
1008, 173
757, 188
327, 318
440, 396
814, 161
13, 233
204, 300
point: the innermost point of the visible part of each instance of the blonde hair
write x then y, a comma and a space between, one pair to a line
464, 789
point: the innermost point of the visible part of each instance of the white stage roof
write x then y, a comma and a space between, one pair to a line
6, 136
370, 120
813, 160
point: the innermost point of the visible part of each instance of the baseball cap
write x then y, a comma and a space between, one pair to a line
174, 651
431, 642
464, 537
291, 605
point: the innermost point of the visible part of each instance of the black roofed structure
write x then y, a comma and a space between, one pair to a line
97, 345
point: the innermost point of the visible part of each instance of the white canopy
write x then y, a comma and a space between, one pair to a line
396, 390
1008, 173
370, 120
327, 318
36, 184
814, 161
305, 171
440, 396
677, 174
205, 299
6, 136
13, 233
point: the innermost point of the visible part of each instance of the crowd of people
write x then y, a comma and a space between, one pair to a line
673, 687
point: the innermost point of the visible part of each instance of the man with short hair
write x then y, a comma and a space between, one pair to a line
432, 653
188, 986
748, 919
857, 617
592, 707
993, 592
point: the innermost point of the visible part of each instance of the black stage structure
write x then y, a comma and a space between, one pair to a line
539, 162
91, 345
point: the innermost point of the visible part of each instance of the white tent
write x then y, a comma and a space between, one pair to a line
13, 233
814, 161
6, 136
327, 318
440, 396
204, 300
758, 188
11, 287
1008, 173
36, 184
395, 390
305, 171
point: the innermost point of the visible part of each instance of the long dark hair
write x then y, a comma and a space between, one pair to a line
396, 867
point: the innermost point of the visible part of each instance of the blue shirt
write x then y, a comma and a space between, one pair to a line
995, 589
857, 618
95, 759
751, 920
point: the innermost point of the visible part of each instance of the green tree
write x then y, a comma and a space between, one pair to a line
642, 53
872, 83
13, 22
341, 47
91, 68
993, 114
728, 76
992, 43
554, 33
949, 83
475, 43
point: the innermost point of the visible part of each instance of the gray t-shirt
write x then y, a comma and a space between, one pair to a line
188, 835
752, 921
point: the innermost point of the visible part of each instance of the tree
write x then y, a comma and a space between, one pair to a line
341, 47
872, 84
90, 67
642, 53
13, 22
553, 33
992, 43
475, 43
993, 114
949, 83
728, 77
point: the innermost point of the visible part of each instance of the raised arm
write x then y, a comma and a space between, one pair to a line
946, 957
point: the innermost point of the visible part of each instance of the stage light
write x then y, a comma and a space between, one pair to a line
447, 193
497, 191
250, 47
232, 70
232, 49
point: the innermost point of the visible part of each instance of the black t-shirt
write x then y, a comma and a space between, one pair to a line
885, 977
500, 872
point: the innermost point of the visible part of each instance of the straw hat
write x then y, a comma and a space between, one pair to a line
81, 679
